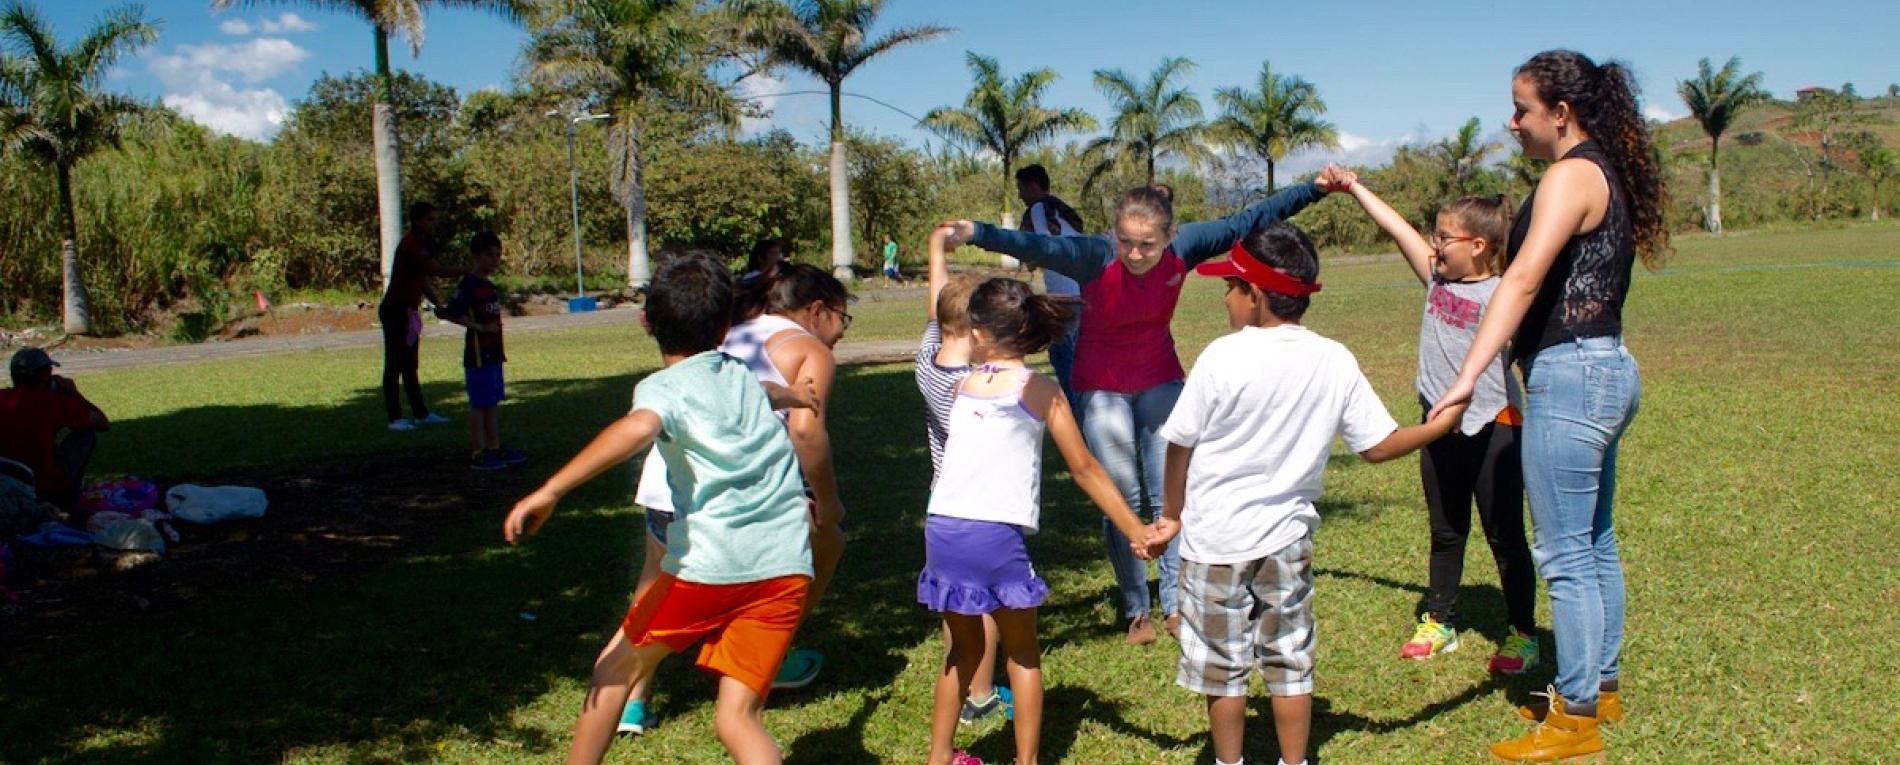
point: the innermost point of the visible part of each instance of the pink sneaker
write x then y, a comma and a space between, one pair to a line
960, 757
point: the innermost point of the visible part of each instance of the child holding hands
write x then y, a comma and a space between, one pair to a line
1248, 443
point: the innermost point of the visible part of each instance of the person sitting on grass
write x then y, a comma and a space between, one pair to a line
1248, 442
739, 561
34, 412
477, 306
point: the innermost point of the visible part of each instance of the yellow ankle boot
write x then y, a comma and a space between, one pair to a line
1560, 737
1609, 709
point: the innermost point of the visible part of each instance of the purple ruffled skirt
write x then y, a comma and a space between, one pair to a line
976, 567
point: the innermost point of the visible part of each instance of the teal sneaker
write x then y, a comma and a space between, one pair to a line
635, 719
999, 704
799, 670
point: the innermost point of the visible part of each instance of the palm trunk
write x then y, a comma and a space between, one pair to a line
1151, 168
1269, 176
78, 309
639, 265
1009, 218
842, 255
1715, 187
388, 156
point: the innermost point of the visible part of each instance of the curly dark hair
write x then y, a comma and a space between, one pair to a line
1604, 99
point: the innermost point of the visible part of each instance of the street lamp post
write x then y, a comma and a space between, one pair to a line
574, 204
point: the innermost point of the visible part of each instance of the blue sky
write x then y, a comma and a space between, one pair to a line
1391, 72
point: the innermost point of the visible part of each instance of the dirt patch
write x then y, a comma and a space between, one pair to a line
324, 522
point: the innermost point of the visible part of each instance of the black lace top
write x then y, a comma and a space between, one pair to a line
1583, 294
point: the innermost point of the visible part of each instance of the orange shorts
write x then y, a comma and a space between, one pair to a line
747, 627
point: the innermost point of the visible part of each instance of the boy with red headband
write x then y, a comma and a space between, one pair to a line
1247, 444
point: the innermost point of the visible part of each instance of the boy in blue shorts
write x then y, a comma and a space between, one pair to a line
477, 306
1248, 442
738, 560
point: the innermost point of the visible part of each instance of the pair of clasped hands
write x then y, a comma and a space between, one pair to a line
1160, 533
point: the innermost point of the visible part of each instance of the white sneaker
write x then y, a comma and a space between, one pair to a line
403, 425
434, 419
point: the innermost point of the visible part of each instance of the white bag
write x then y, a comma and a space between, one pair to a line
131, 535
206, 505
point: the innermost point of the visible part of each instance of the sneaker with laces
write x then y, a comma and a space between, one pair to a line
999, 704
1430, 639
635, 719
402, 425
486, 460
434, 419
799, 670
1518, 654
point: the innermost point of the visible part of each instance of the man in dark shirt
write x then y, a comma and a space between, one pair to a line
401, 317
34, 412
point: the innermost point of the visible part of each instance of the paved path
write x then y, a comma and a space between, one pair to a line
83, 362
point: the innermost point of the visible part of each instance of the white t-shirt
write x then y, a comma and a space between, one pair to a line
1261, 410
1044, 220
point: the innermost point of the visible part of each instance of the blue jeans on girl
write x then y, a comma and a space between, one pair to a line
1580, 397
1122, 431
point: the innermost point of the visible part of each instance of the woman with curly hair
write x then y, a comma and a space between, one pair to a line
1560, 307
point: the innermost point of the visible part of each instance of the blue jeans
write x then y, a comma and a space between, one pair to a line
1579, 399
1122, 431
1062, 358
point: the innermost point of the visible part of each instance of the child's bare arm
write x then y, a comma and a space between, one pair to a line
814, 366
1173, 497
939, 268
617, 443
1418, 252
1046, 395
1411, 438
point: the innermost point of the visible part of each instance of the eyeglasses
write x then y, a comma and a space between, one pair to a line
1439, 241
843, 316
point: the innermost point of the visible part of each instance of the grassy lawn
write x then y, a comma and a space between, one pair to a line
1758, 500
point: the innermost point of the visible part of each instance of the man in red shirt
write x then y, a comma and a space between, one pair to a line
34, 412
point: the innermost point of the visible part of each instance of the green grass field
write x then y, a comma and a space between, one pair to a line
1757, 512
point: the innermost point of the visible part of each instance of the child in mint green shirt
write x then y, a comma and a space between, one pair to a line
738, 561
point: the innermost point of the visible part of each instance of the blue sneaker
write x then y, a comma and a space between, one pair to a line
511, 455
999, 704
635, 719
799, 670
487, 461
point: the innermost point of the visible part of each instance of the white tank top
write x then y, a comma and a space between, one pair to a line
746, 341
992, 460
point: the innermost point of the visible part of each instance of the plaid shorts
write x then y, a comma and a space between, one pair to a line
1235, 618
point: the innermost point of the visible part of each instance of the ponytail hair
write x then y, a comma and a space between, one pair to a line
1604, 100
1018, 320
1487, 218
1153, 203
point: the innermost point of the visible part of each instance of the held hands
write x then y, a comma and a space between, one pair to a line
955, 233
1160, 533
801, 395
1335, 178
528, 515
1451, 406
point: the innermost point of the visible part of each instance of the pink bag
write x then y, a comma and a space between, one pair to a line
130, 495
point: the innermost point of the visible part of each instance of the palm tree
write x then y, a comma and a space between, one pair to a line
1715, 99
830, 39
1463, 154
51, 109
629, 56
1005, 116
1880, 165
1278, 117
392, 17
1152, 118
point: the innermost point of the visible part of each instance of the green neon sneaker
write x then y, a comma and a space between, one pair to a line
1430, 639
1518, 654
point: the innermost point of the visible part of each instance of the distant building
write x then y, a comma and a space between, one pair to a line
1810, 92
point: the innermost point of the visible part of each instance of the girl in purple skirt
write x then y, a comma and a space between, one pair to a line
987, 499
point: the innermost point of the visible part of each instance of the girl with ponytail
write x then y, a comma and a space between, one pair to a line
987, 498
1572, 247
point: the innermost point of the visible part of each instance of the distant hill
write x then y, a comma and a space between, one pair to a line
1771, 169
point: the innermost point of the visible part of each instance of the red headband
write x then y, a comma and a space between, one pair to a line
1242, 265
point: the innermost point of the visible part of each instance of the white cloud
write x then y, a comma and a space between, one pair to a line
1660, 114
1354, 150
288, 23
760, 92
198, 82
